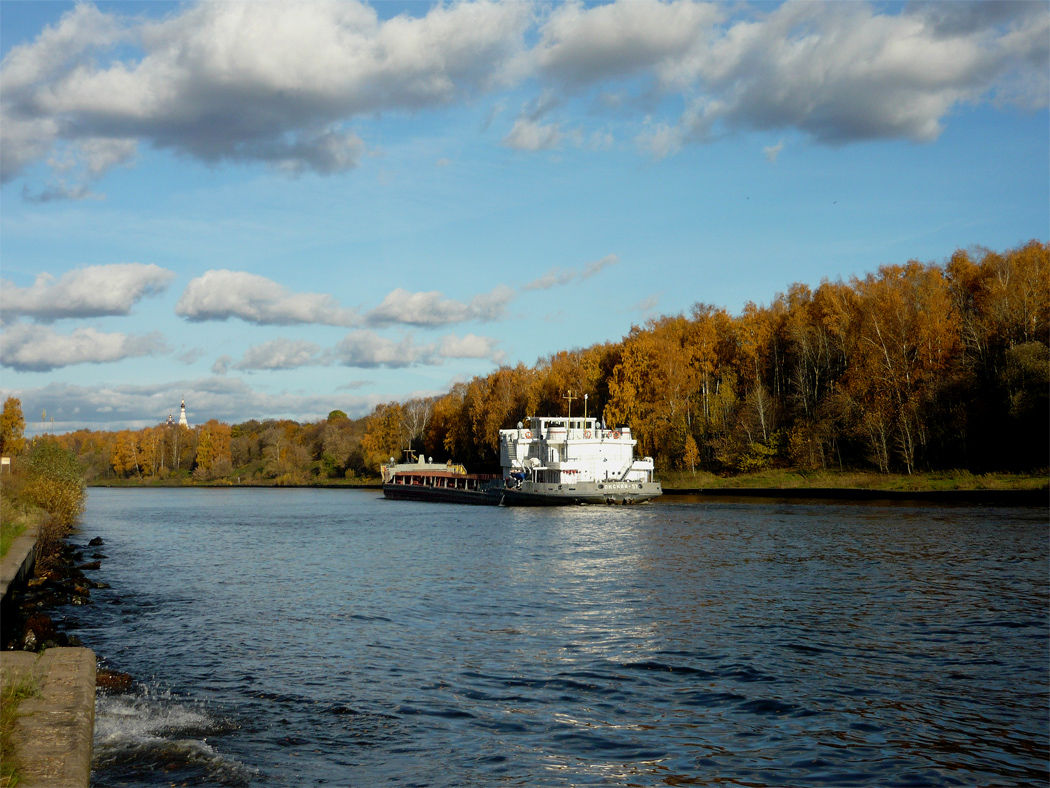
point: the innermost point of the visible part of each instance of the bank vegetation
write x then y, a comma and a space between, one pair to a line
44, 486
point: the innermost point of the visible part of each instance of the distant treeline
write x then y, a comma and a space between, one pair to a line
917, 366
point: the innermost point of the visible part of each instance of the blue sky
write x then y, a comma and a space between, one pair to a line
275, 210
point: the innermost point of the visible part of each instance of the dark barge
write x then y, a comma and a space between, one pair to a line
445, 483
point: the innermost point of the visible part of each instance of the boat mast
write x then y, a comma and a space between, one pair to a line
570, 398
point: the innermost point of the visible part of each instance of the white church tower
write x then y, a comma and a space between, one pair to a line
182, 415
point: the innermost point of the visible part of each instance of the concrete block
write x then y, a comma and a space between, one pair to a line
53, 735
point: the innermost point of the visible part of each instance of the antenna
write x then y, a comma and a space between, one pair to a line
570, 398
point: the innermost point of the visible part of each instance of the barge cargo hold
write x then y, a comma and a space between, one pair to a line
439, 482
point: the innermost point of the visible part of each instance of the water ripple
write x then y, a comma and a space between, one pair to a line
330, 637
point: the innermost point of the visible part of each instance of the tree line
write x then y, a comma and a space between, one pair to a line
913, 367
916, 366
269, 451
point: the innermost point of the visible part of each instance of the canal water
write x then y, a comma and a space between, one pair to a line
330, 637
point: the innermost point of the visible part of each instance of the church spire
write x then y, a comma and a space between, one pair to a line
182, 415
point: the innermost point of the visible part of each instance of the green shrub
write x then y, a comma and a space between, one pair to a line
54, 482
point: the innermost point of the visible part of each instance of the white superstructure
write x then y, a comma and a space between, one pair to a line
570, 451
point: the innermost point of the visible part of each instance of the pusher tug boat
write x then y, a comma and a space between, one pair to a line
558, 461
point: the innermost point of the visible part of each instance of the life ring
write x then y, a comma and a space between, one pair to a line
528, 434
586, 433
616, 436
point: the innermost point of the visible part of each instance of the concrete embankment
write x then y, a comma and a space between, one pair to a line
17, 565
53, 734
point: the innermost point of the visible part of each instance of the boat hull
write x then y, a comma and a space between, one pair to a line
419, 492
538, 494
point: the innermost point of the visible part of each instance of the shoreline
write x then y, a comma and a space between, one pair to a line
1027, 497
1021, 497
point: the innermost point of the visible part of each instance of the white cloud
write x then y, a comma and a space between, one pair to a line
841, 72
242, 81
74, 167
60, 47
470, 346
557, 277
596, 267
283, 83
189, 356
772, 151
221, 294
222, 364
588, 45
29, 134
531, 135
432, 309
279, 354
368, 349
135, 406
553, 278
93, 291
29, 348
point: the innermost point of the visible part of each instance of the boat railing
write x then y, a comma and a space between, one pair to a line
626, 469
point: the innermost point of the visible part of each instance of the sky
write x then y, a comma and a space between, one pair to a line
275, 210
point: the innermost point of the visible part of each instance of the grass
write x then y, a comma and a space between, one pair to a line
10, 697
865, 480
13, 522
8, 533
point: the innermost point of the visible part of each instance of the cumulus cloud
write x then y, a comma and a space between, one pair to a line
842, 72
30, 348
284, 83
135, 406
221, 294
557, 277
432, 309
93, 291
241, 81
279, 354
584, 46
368, 349
470, 346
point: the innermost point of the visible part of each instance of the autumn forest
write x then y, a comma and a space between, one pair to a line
913, 367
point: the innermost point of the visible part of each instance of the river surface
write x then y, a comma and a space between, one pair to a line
330, 637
